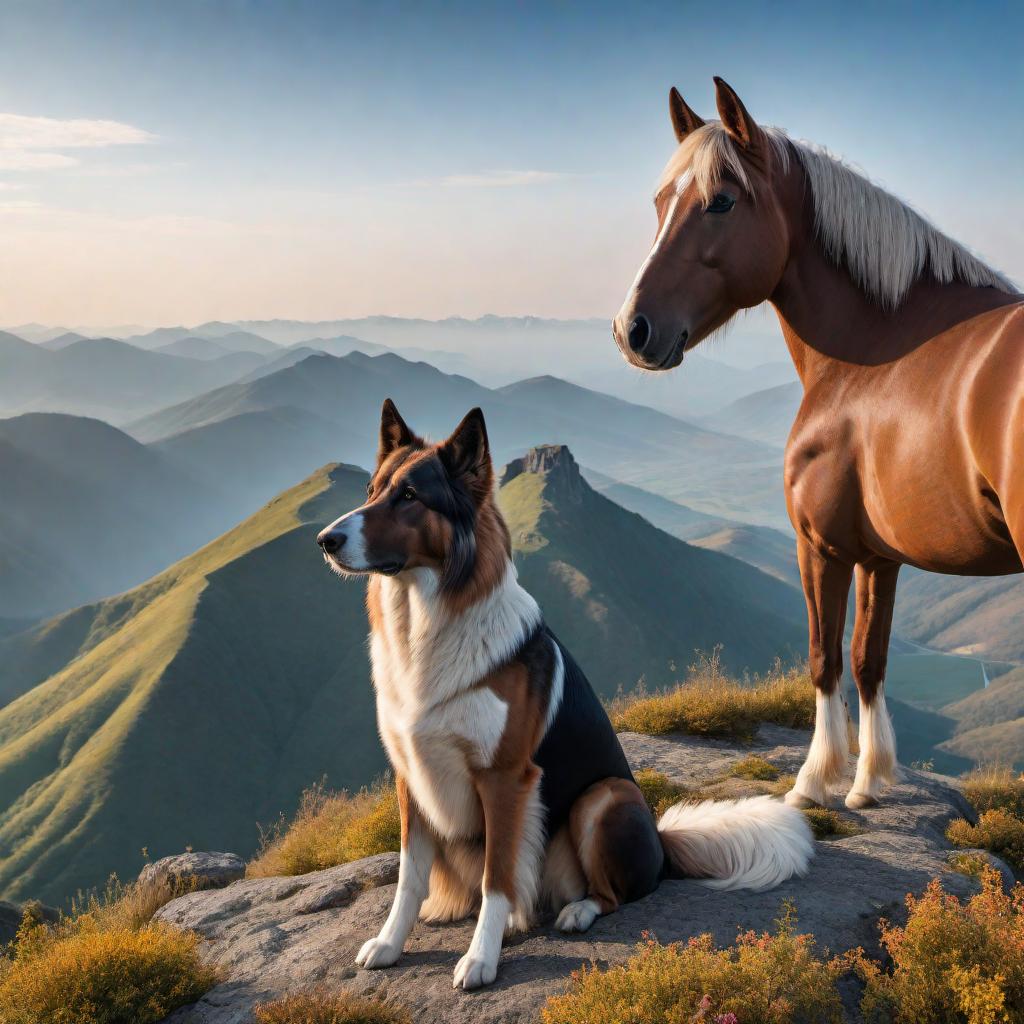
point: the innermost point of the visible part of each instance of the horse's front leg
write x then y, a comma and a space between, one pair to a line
511, 866
826, 583
416, 859
876, 594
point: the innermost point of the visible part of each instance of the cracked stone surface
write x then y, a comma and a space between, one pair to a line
281, 935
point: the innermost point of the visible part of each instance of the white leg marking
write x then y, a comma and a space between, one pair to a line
578, 917
480, 964
826, 759
877, 759
413, 882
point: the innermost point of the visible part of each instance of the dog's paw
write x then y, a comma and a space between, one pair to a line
578, 916
473, 972
377, 953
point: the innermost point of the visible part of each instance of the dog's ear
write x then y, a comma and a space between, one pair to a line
394, 432
467, 455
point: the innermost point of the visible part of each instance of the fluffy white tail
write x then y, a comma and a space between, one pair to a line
754, 843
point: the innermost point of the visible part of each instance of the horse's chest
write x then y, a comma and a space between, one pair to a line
440, 749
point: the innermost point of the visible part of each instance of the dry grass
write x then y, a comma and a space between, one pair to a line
961, 963
996, 787
969, 864
755, 768
322, 1007
997, 831
829, 824
103, 966
660, 791
329, 829
709, 703
761, 979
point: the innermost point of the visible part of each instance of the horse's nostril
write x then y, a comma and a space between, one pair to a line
639, 333
684, 337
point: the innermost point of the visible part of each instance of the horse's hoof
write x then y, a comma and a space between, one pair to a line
796, 799
859, 801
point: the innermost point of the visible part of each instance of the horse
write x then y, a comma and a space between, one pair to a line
908, 446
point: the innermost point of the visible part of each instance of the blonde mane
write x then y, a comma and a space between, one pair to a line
884, 244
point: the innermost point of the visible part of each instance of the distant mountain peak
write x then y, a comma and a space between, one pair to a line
554, 462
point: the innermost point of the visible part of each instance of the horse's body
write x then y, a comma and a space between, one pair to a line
908, 447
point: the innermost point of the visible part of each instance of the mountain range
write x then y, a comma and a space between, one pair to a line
202, 702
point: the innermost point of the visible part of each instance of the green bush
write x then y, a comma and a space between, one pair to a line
829, 824
755, 768
659, 790
761, 979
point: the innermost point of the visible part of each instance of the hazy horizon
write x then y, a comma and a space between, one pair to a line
191, 162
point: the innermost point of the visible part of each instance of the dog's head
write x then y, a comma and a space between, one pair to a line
424, 505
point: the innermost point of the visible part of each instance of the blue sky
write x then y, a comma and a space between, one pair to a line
313, 160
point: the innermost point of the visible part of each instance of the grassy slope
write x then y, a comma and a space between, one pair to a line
194, 706
631, 601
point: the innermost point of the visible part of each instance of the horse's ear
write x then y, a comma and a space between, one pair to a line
684, 120
735, 119
394, 431
467, 453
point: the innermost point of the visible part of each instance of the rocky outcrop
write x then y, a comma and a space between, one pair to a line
554, 461
278, 935
202, 870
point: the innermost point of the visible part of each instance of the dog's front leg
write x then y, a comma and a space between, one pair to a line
504, 796
416, 859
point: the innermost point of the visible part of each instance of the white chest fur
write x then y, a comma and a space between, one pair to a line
436, 722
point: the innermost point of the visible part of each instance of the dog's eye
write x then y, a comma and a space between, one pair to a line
408, 494
721, 203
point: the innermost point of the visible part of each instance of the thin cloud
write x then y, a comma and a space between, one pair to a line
34, 143
503, 179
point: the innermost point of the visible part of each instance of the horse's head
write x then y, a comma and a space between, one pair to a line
722, 240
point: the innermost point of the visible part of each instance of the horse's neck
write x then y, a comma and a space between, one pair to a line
828, 321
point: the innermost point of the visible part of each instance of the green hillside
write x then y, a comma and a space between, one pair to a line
629, 600
190, 708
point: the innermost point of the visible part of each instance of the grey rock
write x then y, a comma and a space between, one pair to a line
282, 935
208, 870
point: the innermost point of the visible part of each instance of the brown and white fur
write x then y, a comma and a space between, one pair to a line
515, 795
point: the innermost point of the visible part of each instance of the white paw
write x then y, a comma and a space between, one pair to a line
377, 953
577, 917
472, 972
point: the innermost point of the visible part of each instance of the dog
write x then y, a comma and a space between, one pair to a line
514, 792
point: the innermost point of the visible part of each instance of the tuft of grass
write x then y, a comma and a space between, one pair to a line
956, 962
997, 831
101, 970
995, 787
709, 703
322, 1007
829, 824
772, 978
659, 790
329, 829
755, 768
969, 864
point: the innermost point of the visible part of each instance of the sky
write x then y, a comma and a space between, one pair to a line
176, 162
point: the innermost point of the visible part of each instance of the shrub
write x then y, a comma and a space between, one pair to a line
755, 768
969, 864
829, 824
997, 831
331, 828
659, 790
86, 971
761, 979
325, 1008
996, 787
709, 703
128, 906
952, 962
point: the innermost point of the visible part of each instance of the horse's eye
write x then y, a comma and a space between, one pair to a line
721, 203
408, 494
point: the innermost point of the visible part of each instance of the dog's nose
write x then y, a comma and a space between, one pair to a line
331, 541
639, 333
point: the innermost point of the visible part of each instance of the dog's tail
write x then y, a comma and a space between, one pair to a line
754, 843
